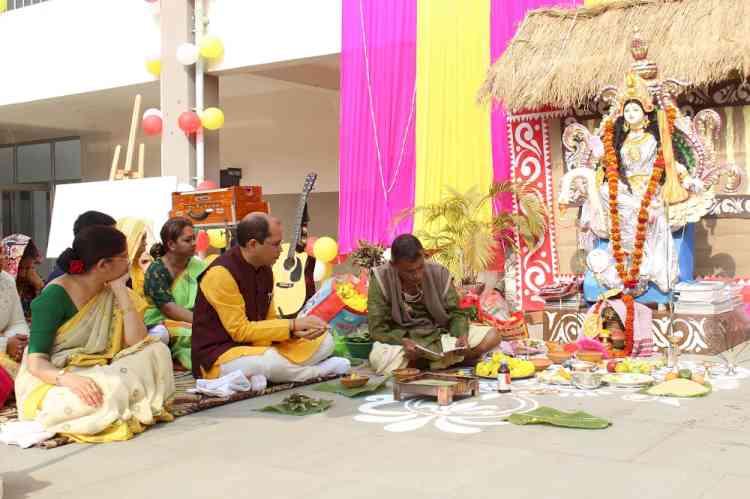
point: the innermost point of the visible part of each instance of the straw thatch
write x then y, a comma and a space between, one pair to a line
563, 57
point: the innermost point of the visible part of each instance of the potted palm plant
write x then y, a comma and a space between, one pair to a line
466, 237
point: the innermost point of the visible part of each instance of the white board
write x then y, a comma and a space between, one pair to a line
148, 198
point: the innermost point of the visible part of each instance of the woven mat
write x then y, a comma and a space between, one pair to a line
184, 403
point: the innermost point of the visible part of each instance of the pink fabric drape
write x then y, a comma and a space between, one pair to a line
376, 150
505, 17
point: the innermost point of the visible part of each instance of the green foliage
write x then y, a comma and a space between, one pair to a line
367, 255
548, 415
335, 386
465, 239
687, 152
298, 405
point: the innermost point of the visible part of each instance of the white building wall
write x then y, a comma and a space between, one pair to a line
66, 47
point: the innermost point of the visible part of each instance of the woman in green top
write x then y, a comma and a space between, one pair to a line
91, 372
171, 287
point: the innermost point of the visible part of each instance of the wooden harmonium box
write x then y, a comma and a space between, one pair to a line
218, 206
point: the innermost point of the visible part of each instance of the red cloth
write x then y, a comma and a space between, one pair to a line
6, 386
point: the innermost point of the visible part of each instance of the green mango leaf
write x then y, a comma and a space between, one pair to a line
551, 416
373, 385
298, 405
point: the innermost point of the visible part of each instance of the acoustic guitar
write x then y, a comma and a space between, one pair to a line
290, 289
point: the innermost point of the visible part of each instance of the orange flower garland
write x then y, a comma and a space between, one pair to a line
629, 324
630, 278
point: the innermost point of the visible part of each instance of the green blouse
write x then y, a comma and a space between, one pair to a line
50, 310
157, 285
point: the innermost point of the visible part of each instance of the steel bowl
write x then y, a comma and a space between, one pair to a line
586, 380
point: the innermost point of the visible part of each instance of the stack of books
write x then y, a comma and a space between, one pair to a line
706, 297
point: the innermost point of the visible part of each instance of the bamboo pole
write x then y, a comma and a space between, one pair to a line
133, 129
115, 161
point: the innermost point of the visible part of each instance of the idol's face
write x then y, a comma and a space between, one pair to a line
633, 113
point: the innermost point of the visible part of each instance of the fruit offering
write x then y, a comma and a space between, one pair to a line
633, 366
519, 368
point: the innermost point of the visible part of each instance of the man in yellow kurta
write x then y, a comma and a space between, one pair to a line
236, 326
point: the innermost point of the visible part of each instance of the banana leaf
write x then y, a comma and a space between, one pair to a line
298, 405
373, 385
649, 390
551, 416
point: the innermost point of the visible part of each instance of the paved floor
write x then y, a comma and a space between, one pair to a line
698, 448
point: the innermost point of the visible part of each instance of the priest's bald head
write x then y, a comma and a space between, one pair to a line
259, 237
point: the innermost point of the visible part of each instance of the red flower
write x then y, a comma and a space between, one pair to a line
75, 267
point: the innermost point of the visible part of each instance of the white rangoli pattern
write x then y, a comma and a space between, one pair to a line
472, 415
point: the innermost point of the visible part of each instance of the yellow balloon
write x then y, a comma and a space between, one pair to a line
325, 249
217, 238
211, 47
212, 118
154, 67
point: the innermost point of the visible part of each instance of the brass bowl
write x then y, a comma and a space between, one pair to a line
589, 356
407, 372
354, 383
558, 357
540, 363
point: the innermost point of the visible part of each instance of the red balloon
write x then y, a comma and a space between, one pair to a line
152, 125
150, 1
207, 185
201, 241
309, 246
189, 122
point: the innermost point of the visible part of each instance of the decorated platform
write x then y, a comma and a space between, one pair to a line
697, 333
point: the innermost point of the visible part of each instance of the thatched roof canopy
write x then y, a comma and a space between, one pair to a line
563, 57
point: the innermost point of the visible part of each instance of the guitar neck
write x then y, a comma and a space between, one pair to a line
298, 224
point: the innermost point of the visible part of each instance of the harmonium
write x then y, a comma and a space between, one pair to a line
218, 206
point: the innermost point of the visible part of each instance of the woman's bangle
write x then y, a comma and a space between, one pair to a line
291, 325
59, 375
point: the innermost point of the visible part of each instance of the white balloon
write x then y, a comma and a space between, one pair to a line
152, 112
187, 54
387, 255
322, 271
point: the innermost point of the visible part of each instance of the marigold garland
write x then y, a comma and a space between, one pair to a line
629, 323
630, 278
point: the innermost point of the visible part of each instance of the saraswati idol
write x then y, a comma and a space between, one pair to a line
640, 180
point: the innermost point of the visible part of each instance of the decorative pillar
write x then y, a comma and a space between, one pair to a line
177, 91
531, 163
211, 138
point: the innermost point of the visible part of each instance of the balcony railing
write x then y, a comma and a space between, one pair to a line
17, 4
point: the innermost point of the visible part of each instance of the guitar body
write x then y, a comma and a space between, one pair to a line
289, 288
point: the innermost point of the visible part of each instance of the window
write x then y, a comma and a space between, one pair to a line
67, 159
28, 174
33, 163
6, 165
17, 4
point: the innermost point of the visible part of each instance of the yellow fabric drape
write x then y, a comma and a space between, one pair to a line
591, 3
453, 142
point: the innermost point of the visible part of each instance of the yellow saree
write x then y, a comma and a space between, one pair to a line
137, 382
135, 229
